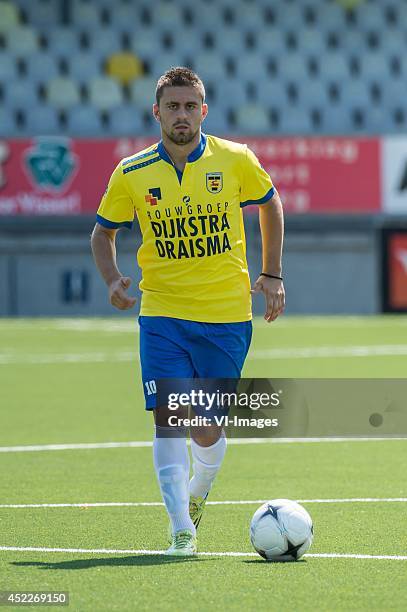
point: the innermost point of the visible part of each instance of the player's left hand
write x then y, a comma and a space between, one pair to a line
274, 293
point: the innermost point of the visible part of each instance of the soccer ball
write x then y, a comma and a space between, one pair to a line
281, 530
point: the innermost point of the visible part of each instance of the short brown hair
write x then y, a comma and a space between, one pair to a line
179, 77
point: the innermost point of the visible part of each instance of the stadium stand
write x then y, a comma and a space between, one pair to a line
309, 65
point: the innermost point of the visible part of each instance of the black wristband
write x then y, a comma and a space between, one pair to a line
271, 276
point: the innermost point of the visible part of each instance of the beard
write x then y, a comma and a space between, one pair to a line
181, 137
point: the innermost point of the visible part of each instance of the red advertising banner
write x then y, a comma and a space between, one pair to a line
397, 259
60, 176
323, 175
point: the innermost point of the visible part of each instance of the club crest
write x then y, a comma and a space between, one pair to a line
214, 182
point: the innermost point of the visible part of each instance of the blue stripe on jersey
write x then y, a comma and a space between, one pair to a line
113, 224
136, 157
142, 165
262, 200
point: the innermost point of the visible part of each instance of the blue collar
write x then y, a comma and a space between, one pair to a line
196, 153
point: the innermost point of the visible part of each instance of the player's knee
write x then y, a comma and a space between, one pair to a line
206, 436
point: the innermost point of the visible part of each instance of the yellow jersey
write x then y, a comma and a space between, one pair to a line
193, 252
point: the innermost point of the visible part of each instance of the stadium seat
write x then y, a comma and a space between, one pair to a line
104, 93
401, 13
209, 65
167, 15
355, 92
252, 118
312, 95
84, 66
20, 94
333, 67
9, 17
336, 120
124, 67
8, 68
353, 42
374, 67
248, 15
311, 42
41, 67
142, 92
104, 41
330, 17
124, 16
43, 13
125, 121
378, 120
184, 42
63, 42
229, 42
216, 121
8, 127
370, 17
21, 41
394, 45
85, 14
145, 43
232, 93
392, 90
84, 120
272, 92
163, 61
249, 64
205, 20
290, 17
294, 68
295, 121
270, 42
41, 121
62, 92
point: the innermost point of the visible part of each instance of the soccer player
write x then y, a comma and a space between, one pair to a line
187, 193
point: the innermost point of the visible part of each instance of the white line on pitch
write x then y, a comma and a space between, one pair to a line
130, 551
210, 503
148, 443
55, 358
317, 352
307, 352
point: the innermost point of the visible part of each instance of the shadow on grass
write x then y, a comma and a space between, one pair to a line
80, 564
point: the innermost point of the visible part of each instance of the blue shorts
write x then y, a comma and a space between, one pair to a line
176, 348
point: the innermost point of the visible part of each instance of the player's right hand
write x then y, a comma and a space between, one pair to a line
118, 296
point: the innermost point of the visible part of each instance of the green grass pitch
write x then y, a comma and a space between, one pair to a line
77, 381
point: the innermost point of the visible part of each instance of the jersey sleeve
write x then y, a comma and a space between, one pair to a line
257, 186
116, 208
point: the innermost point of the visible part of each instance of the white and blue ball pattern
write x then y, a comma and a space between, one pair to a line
281, 530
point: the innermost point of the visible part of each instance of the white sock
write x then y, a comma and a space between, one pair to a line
171, 462
206, 463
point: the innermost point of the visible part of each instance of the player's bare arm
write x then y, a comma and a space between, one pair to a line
103, 242
272, 231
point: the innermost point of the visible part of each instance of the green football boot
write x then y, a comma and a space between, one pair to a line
196, 508
183, 544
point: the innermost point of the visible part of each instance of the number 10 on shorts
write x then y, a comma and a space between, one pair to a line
151, 387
